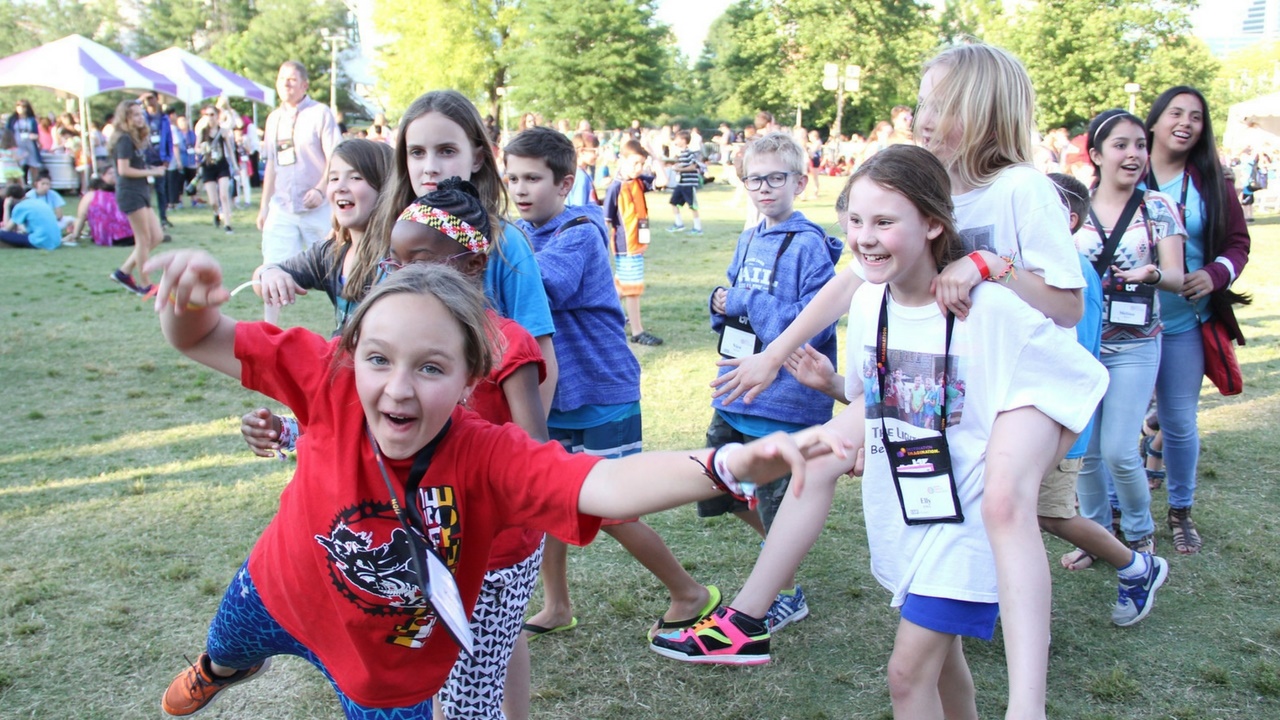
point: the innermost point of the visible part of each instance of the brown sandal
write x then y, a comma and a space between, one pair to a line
1185, 538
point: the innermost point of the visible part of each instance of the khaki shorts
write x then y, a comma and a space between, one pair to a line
1058, 490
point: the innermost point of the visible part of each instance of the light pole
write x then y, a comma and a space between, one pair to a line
1133, 89
333, 40
851, 80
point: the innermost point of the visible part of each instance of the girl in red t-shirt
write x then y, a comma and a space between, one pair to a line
337, 575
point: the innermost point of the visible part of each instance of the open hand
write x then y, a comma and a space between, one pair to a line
748, 378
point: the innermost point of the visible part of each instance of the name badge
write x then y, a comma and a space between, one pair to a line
155, 139
738, 339
285, 153
642, 236
921, 471
1130, 304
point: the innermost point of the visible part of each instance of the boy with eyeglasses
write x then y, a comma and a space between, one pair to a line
777, 268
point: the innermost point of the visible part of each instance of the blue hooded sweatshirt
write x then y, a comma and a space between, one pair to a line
597, 366
795, 276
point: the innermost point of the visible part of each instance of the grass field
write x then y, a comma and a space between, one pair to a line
127, 500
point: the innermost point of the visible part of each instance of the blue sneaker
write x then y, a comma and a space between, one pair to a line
786, 609
675, 229
1136, 597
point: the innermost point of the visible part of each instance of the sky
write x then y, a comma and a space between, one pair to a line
689, 20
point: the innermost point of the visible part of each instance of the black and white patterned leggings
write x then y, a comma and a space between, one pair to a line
475, 685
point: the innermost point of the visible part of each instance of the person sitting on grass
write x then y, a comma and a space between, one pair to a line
28, 223
394, 477
44, 192
98, 210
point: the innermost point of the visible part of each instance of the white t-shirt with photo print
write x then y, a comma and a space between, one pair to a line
1005, 356
1020, 215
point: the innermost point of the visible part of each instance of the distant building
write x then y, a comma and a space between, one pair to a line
1227, 26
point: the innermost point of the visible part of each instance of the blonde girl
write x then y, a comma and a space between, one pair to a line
399, 473
128, 145
441, 135
976, 115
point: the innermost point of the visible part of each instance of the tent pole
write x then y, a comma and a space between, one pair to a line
86, 142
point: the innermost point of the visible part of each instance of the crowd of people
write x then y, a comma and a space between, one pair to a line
486, 299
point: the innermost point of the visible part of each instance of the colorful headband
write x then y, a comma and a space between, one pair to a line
448, 224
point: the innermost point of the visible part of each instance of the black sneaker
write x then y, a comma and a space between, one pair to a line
164, 222
646, 338
228, 229
726, 637
127, 281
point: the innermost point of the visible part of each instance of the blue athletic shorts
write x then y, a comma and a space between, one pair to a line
953, 617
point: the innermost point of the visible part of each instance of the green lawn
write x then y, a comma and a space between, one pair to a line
127, 500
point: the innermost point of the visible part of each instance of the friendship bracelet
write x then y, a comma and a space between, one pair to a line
717, 470
983, 270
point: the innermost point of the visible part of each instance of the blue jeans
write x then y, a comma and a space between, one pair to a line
1177, 402
1113, 448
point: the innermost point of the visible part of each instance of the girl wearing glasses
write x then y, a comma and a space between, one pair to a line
334, 578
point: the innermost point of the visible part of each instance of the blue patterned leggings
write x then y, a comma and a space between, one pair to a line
243, 634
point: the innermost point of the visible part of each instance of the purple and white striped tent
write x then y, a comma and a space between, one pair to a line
81, 67
203, 79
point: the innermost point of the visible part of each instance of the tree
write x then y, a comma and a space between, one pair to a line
284, 30
606, 60
437, 44
193, 25
769, 54
25, 24
1245, 74
1080, 68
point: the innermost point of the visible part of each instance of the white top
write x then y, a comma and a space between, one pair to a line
1020, 215
1005, 356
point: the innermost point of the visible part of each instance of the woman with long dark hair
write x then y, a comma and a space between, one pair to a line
1185, 166
26, 131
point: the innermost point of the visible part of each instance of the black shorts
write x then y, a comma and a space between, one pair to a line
215, 172
685, 195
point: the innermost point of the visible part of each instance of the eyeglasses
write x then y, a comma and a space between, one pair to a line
389, 265
773, 180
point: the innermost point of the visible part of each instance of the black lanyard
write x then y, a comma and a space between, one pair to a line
1153, 184
420, 464
882, 360
1109, 244
773, 274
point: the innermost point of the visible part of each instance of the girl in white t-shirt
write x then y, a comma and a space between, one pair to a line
1147, 254
925, 526
976, 115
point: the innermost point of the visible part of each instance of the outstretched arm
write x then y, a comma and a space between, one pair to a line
751, 375
653, 481
187, 300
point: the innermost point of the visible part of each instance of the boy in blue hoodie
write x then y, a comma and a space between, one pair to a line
596, 408
777, 268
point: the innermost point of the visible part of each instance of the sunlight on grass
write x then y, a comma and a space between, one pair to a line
205, 462
132, 441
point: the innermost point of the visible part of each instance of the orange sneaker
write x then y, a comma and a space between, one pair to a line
196, 687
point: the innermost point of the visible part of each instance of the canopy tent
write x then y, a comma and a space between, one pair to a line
1253, 123
205, 80
81, 67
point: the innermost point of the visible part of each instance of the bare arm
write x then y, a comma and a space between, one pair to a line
1169, 275
547, 390
521, 391
814, 370
953, 287
268, 189
187, 300
648, 482
751, 375
124, 170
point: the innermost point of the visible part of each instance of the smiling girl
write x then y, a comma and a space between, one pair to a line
923, 489
392, 469
1185, 166
1134, 240
441, 136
